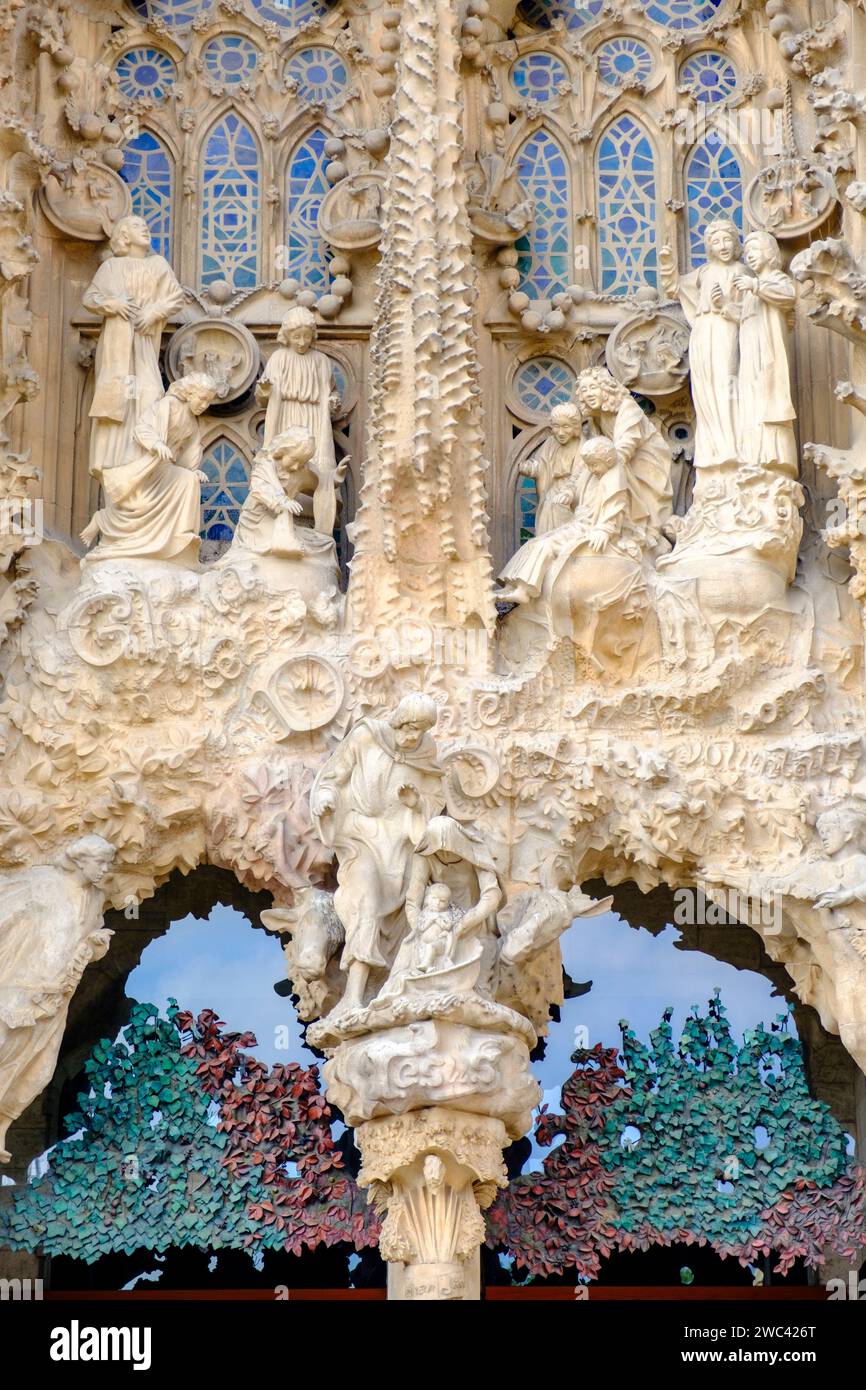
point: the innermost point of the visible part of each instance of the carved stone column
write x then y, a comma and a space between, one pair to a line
432, 1172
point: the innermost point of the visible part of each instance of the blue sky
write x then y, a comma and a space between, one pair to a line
225, 965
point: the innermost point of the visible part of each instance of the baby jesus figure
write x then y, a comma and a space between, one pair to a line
436, 930
265, 525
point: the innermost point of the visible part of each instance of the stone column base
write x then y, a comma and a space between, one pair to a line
432, 1172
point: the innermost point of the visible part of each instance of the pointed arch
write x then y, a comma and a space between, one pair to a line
148, 169
627, 190
546, 255
307, 253
223, 495
714, 188
231, 200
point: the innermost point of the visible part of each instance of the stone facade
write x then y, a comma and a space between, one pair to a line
432, 225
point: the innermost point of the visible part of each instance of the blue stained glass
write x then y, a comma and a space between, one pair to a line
230, 205
623, 61
682, 14
710, 77
527, 500
545, 251
147, 169
307, 254
542, 13
222, 496
320, 74
290, 13
173, 12
714, 189
539, 76
543, 382
145, 72
626, 208
230, 59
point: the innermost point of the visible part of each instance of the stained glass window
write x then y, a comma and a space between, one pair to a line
527, 501
230, 205
147, 169
307, 254
710, 77
714, 188
290, 13
145, 72
222, 496
626, 208
174, 12
230, 59
320, 74
623, 61
682, 14
539, 76
543, 382
542, 13
545, 251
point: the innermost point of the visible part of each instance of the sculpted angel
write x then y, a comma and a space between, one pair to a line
50, 931
134, 292
370, 802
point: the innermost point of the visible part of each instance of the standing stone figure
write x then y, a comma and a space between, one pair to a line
552, 466
370, 802
134, 291
709, 299
50, 931
153, 500
298, 386
766, 409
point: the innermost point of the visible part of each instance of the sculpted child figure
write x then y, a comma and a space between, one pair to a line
298, 388
134, 291
265, 525
553, 468
153, 498
436, 930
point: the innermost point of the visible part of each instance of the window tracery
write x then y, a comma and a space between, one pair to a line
147, 168
230, 59
539, 76
222, 496
626, 208
714, 189
545, 251
145, 72
319, 74
231, 198
307, 254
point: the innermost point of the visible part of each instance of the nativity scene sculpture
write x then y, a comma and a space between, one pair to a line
425, 754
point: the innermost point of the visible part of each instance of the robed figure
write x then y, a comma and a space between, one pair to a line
710, 303
370, 803
298, 387
134, 291
767, 414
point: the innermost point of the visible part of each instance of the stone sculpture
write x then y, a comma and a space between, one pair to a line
152, 496
298, 387
50, 931
288, 556
708, 297
134, 292
370, 803
552, 467
766, 411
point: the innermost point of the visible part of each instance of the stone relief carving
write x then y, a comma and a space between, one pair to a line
670, 718
50, 931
